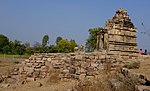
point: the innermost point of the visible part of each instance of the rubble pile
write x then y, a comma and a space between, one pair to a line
69, 65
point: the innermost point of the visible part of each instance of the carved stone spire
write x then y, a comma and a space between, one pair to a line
120, 19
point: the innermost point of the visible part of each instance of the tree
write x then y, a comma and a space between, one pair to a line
73, 45
6, 49
92, 39
53, 49
28, 49
45, 40
27, 44
64, 46
36, 46
16, 47
58, 39
3, 42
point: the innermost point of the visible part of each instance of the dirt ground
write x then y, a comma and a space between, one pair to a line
44, 85
144, 68
7, 65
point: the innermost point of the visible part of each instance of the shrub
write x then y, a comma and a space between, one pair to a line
133, 65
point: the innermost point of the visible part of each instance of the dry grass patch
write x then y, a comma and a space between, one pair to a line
53, 78
133, 65
7, 66
144, 68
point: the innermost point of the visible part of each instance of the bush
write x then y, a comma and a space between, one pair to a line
127, 83
133, 65
102, 83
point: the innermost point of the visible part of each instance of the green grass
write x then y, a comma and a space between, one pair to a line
14, 56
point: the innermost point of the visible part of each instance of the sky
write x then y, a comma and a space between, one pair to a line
30, 20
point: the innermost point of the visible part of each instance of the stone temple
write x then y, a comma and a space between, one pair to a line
116, 45
119, 35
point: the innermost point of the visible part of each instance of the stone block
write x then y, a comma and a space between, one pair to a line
82, 71
94, 64
102, 56
142, 81
45, 59
40, 61
27, 60
43, 67
20, 69
15, 73
32, 61
5, 85
142, 88
29, 79
67, 75
82, 76
23, 62
1, 79
79, 57
38, 66
49, 59
39, 58
72, 71
43, 70
29, 64
36, 74
90, 77
10, 80
65, 71
28, 69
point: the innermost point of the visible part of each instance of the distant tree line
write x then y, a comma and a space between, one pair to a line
18, 48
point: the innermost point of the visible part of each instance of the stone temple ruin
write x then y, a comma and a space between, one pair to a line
118, 38
118, 35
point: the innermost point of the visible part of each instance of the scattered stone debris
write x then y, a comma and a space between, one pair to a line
143, 83
1, 79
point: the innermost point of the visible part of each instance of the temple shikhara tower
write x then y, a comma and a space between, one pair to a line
119, 35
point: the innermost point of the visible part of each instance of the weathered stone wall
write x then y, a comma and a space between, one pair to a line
69, 65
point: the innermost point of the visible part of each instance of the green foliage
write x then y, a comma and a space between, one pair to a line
11, 47
29, 51
45, 40
27, 45
3, 42
17, 48
36, 47
64, 46
6, 49
58, 39
133, 65
13, 56
91, 41
73, 45
53, 49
